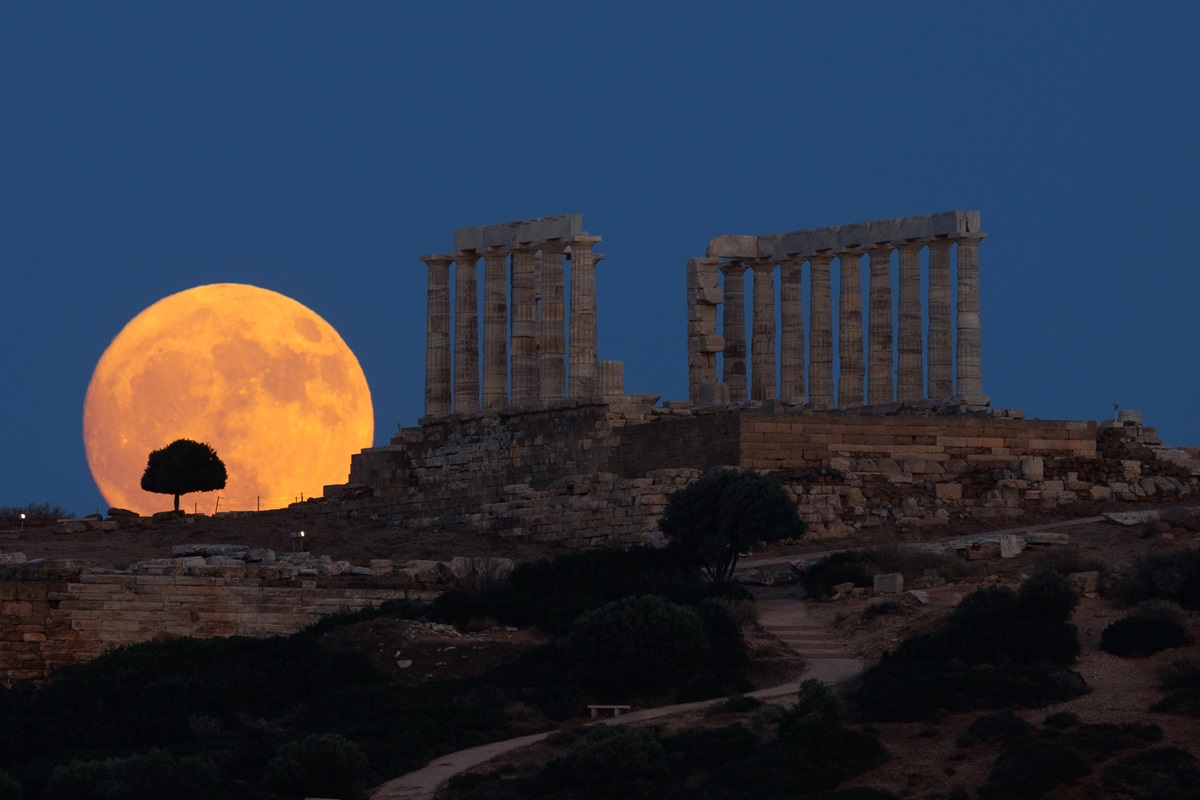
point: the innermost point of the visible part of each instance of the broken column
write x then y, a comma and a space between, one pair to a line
551, 335
437, 336
703, 297
582, 339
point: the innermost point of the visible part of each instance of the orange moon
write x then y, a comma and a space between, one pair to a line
263, 379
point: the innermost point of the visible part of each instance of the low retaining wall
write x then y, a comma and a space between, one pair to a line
57, 613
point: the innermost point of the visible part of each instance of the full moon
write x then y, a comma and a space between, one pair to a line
265, 381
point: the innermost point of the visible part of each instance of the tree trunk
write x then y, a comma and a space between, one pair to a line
176, 502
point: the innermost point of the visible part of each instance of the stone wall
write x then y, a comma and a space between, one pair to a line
588, 473
54, 613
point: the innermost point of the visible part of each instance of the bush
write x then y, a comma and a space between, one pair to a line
1069, 560
1047, 596
1181, 672
709, 522
1030, 768
861, 566
817, 715
10, 787
1162, 773
1002, 726
634, 645
323, 764
1156, 626
1173, 576
704, 748
615, 758
153, 774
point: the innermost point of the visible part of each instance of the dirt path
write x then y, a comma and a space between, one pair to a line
826, 659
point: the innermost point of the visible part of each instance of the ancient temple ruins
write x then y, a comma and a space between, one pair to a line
950, 359
547, 359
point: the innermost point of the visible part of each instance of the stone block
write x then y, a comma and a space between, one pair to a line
948, 491
1011, 545
508, 234
1033, 468
1099, 493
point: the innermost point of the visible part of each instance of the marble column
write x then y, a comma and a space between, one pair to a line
581, 373
791, 324
466, 331
733, 371
495, 328
762, 332
969, 351
820, 330
879, 326
552, 351
437, 336
526, 274
850, 331
940, 383
909, 372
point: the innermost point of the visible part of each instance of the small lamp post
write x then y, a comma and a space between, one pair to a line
297, 538
22, 520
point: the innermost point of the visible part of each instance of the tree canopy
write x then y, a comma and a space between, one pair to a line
182, 467
724, 513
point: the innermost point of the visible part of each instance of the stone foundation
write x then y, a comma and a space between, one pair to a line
587, 473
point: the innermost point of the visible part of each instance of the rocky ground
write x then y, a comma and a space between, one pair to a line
927, 759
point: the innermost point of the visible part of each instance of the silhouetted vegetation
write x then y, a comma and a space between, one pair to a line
182, 467
1173, 576
1156, 626
709, 522
1180, 678
861, 566
808, 754
997, 649
36, 515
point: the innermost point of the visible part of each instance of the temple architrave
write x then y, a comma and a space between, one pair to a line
530, 352
944, 365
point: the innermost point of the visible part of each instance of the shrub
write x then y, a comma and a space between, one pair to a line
615, 757
1047, 596
1154, 627
861, 566
636, 644
1030, 768
1181, 672
10, 787
701, 748
1099, 741
1171, 576
1002, 726
1062, 720
817, 715
1164, 773
709, 522
324, 764
848, 566
153, 774
1069, 560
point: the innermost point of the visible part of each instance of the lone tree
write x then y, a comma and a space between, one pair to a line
182, 467
726, 512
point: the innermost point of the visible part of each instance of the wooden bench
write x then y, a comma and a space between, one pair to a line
615, 709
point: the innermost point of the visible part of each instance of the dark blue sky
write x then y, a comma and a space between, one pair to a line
318, 149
